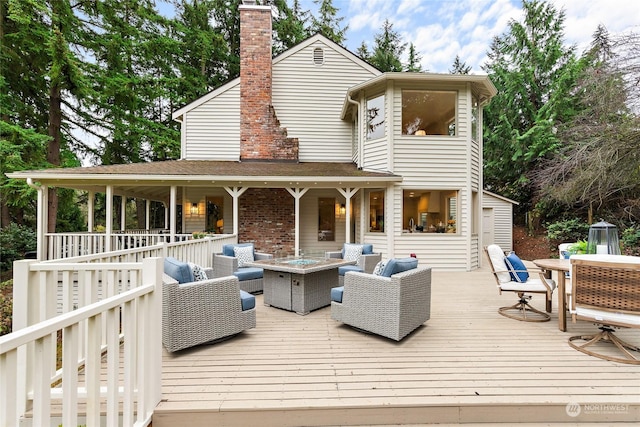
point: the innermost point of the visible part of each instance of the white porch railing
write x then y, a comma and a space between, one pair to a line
95, 303
67, 245
99, 331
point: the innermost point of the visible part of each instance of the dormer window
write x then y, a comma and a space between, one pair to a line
429, 112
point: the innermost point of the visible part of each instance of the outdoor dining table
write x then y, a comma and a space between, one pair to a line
561, 266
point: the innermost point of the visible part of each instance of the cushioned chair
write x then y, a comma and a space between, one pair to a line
606, 291
200, 312
512, 275
366, 260
392, 304
230, 263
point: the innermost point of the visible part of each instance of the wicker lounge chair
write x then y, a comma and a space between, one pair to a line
606, 291
227, 264
200, 312
367, 261
388, 306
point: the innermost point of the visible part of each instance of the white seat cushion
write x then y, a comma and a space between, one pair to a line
608, 316
531, 285
496, 255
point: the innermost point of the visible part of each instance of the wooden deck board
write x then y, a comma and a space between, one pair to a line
466, 364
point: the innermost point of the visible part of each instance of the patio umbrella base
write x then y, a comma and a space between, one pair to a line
606, 334
524, 312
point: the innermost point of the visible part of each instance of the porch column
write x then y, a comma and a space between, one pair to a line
123, 212
297, 194
348, 193
166, 215
90, 208
109, 220
147, 214
235, 192
172, 211
41, 219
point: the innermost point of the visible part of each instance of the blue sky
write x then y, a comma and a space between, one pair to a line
440, 29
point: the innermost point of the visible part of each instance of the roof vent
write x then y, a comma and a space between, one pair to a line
318, 56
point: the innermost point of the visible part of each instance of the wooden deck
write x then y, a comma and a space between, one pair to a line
467, 364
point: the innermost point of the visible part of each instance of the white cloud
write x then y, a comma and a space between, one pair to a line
442, 29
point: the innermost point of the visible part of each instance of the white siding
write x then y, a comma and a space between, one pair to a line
376, 154
430, 163
309, 223
213, 128
198, 195
502, 220
308, 100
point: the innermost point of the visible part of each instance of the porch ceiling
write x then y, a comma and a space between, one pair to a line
153, 180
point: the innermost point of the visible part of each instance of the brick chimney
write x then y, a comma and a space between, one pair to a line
261, 137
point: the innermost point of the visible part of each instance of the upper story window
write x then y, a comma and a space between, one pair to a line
429, 112
375, 117
475, 123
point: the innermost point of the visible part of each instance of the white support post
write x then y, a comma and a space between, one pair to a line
147, 214
172, 212
348, 193
166, 215
297, 194
123, 213
109, 219
90, 210
42, 222
236, 192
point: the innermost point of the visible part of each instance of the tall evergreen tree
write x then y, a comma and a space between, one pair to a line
459, 66
413, 62
39, 40
534, 72
290, 25
387, 49
328, 23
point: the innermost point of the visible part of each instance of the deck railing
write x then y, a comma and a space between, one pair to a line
101, 329
67, 245
90, 305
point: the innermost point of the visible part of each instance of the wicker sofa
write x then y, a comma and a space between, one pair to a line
199, 312
367, 261
388, 306
227, 264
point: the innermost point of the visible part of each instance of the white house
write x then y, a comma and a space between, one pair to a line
314, 148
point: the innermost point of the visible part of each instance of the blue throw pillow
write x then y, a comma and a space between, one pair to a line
179, 270
367, 249
398, 265
227, 249
516, 267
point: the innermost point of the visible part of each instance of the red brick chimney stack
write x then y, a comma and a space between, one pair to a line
261, 137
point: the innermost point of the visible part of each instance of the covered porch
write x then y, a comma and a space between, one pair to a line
274, 204
467, 364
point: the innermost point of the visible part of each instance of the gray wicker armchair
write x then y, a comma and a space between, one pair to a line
226, 264
389, 306
199, 312
366, 263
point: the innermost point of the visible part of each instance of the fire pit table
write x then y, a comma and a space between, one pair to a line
299, 284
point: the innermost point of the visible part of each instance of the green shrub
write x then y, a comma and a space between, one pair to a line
6, 306
15, 240
570, 230
630, 241
579, 247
